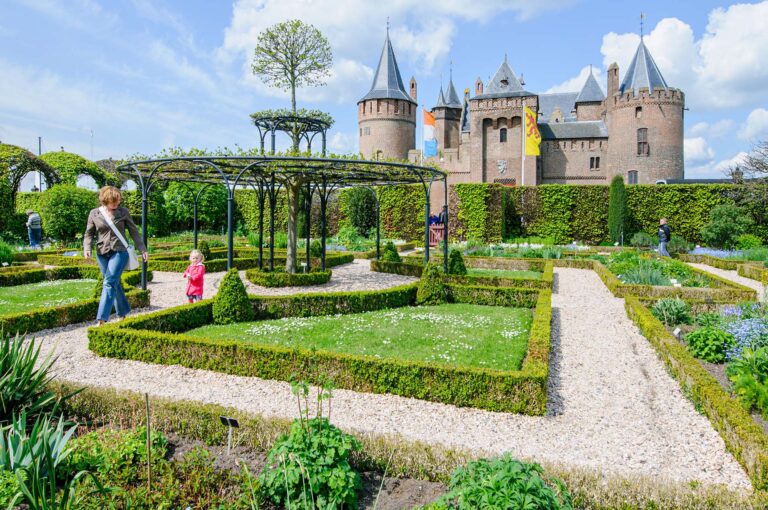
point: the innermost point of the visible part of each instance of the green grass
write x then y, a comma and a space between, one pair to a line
454, 334
504, 273
22, 298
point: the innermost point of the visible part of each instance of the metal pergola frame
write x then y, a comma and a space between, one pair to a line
307, 128
266, 174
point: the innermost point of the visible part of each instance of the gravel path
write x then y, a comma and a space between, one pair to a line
734, 276
613, 407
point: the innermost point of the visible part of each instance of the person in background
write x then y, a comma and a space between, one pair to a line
195, 275
111, 251
665, 234
34, 228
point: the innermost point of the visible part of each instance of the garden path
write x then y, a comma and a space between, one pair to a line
613, 406
734, 276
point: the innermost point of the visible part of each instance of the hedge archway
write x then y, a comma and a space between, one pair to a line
16, 162
71, 166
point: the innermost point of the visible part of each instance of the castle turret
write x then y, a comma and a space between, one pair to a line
644, 117
387, 113
447, 113
589, 102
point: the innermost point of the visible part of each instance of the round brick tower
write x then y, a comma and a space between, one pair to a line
644, 117
387, 114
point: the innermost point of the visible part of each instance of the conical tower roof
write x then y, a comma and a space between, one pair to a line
591, 91
387, 83
504, 84
642, 73
441, 99
452, 98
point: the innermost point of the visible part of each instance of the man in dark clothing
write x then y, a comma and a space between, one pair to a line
34, 228
664, 236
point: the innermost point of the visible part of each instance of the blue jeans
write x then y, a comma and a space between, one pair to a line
35, 235
112, 294
663, 249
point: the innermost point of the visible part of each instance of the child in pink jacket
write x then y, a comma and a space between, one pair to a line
194, 275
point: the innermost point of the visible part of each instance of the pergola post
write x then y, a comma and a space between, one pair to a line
261, 192
308, 206
230, 219
272, 205
323, 205
194, 223
445, 227
378, 226
144, 225
426, 224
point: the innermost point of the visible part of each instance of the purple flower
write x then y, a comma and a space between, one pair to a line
747, 333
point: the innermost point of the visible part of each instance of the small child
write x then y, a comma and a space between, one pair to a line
194, 275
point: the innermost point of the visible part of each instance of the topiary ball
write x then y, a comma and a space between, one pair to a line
456, 263
231, 304
431, 286
204, 249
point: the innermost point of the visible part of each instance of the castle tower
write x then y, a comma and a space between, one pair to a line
644, 117
496, 124
447, 113
589, 102
387, 114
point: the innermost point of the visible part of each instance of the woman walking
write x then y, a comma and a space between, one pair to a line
108, 224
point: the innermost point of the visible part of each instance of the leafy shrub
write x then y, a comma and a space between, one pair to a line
6, 253
316, 249
709, 344
23, 385
231, 304
617, 208
678, 245
748, 241
645, 274
390, 253
431, 286
672, 311
727, 223
361, 210
64, 211
749, 376
708, 319
205, 249
351, 238
505, 483
456, 263
9, 487
642, 240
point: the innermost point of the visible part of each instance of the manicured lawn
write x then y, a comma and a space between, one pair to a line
455, 334
504, 273
44, 294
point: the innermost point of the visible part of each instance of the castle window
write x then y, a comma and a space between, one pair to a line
367, 131
594, 163
638, 112
591, 144
503, 135
361, 131
642, 142
632, 177
397, 106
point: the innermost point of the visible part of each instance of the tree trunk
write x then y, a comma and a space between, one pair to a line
292, 188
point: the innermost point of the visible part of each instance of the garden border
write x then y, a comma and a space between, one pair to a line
742, 436
81, 311
522, 391
282, 279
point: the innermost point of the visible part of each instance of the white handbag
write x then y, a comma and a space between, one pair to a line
133, 260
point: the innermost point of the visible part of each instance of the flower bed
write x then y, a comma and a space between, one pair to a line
159, 337
63, 315
743, 437
279, 278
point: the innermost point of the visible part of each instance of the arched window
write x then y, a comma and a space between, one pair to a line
632, 177
503, 135
643, 148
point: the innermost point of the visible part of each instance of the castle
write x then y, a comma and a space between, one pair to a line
636, 131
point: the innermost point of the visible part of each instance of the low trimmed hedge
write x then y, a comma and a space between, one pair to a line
520, 391
503, 263
73, 313
33, 255
401, 268
545, 282
283, 279
755, 272
743, 437
371, 254
244, 263
727, 264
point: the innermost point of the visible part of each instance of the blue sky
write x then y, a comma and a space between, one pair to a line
111, 79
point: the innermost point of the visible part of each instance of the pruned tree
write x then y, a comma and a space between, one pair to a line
753, 194
288, 56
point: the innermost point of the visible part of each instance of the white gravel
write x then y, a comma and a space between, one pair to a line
734, 276
612, 404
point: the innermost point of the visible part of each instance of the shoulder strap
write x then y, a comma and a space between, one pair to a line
105, 214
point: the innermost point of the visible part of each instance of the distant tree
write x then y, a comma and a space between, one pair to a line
617, 208
287, 56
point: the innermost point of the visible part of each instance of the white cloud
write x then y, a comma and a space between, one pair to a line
724, 68
343, 143
756, 126
715, 170
697, 150
576, 83
422, 33
716, 130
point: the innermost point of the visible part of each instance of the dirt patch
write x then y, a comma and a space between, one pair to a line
394, 494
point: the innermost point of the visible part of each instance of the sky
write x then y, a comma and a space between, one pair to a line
121, 77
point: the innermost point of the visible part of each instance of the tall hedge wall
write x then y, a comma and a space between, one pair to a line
476, 211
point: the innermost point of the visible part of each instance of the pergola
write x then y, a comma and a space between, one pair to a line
267, 174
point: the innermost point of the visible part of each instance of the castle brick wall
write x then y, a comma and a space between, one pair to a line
387, 128
571, 161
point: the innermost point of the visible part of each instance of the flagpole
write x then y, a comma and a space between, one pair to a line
522, 147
